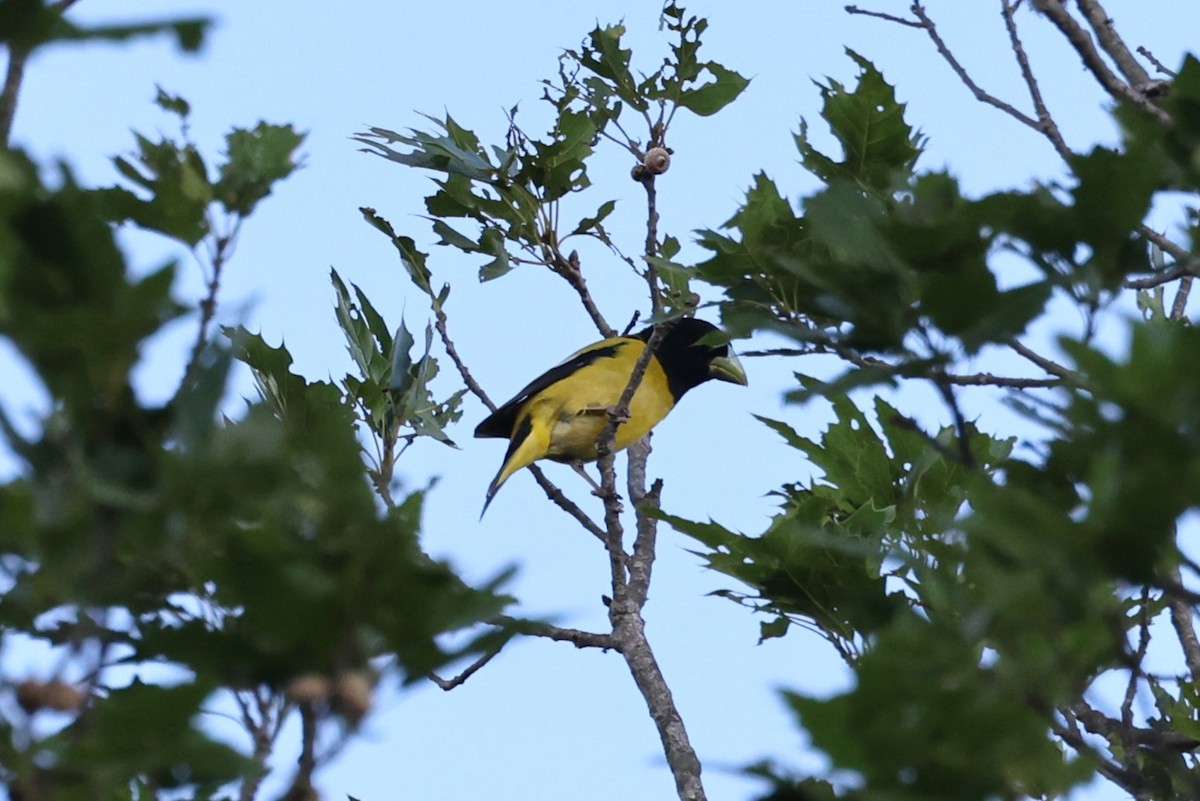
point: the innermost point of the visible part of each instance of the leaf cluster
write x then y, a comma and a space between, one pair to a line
979, 587
509, 197
235, 552
883, 251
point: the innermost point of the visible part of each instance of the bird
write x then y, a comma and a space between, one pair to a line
561, 413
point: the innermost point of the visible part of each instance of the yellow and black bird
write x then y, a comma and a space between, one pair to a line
562, 412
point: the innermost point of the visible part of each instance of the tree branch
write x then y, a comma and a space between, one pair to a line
1082, 43
471, 670
866, 12
1158, 65
1045, 121
15, 74
560, 499
577, 637
629, 631
1112, 44
1050, 366
1183, 620
1158, 279
927, 24
568, 267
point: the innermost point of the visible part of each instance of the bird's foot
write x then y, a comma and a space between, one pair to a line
597, 489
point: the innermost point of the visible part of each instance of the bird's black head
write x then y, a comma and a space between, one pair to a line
688, 364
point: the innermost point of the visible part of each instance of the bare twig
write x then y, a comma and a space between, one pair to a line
1082, 43
262, 724
927, 24
444, 334
1165, 277
560, 499
1045, 122
222, 249
577, 637
1179, 307
641, 560
1183, 619
461, 678
1158, 65
1050, 366
866, 12
568, 268
1172, 249
17, 58
1113, 44
1126, 730
14, 76
302, 786
652, 243
1073, 737
965, 456
983, 379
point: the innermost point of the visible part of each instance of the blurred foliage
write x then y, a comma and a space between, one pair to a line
166, 557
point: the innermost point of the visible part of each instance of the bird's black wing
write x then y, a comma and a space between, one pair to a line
500, 423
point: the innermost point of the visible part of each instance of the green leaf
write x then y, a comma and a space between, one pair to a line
604, 57
879, 148
177, 179
255, 160
713, 96
492, 243
412, 259
401, 359
360, 342
174, 104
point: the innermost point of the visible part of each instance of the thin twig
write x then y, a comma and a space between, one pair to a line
1072, 736
307, 762
577, 637
17, 58
1182, 618
866, 12
444, 334
461, 678
1050, 366
641, 560
1139, 656
931, 30
1045, 121
965, 456
559, 498
1165, 277
262, 728
1158, 65
14, 76
1179, 307
652, 243
568, 267
983, 379
223, 247
1113, 44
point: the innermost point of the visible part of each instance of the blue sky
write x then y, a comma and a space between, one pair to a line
544, 720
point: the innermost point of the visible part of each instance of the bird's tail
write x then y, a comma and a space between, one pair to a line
529, 443
492, 489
